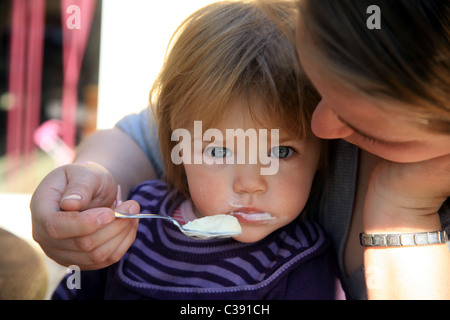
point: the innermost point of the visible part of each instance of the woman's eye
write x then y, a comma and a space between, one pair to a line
218, 152
281, 152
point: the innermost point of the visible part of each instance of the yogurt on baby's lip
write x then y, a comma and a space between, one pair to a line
217, 223
254, 216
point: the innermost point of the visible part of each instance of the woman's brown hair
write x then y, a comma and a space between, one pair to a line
407, 60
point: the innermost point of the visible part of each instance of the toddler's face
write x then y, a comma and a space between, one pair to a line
261, 203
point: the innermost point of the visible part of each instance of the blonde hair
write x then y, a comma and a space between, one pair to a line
231, 50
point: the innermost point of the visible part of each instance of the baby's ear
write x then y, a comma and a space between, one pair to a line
129, 206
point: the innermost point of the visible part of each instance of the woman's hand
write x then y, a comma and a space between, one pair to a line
72, 217
405, 198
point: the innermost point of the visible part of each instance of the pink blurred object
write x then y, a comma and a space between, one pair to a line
75, 38
25, 78
48, 138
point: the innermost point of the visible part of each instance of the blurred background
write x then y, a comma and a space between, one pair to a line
68, 68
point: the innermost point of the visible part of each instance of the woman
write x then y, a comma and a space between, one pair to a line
384, 91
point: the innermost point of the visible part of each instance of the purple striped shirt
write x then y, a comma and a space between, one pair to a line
294, 262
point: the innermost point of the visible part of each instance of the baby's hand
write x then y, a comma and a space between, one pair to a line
73, 219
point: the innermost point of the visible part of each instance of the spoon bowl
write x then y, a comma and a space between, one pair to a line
196, 234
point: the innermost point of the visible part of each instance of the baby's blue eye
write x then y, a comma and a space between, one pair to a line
281, 152
218, 152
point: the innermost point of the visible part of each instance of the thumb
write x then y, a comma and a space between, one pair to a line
129, 206
88, 185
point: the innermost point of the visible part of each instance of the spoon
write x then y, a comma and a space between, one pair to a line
193, 233
196, 234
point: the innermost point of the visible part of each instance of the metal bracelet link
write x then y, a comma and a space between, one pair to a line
403, 239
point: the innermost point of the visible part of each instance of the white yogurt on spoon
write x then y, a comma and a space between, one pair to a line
220, 223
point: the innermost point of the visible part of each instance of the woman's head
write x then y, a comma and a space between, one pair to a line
226, 51
386, 90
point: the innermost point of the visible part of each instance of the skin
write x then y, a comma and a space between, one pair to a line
222, 188
75, 224
382, 128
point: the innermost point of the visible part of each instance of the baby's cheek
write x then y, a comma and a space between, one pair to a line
208, 199
295, 195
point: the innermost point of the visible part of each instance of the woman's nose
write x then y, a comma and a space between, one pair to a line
248, 179
325, 123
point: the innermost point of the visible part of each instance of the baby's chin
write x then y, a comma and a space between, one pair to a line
251, 236
254, 232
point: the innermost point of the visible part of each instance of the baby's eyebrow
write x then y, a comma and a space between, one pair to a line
282, 142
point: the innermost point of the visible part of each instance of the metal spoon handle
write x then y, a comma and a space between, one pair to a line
141, 215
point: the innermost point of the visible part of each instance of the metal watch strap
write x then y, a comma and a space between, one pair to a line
403, 239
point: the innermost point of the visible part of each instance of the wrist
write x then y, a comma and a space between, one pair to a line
391, 219
395, 214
